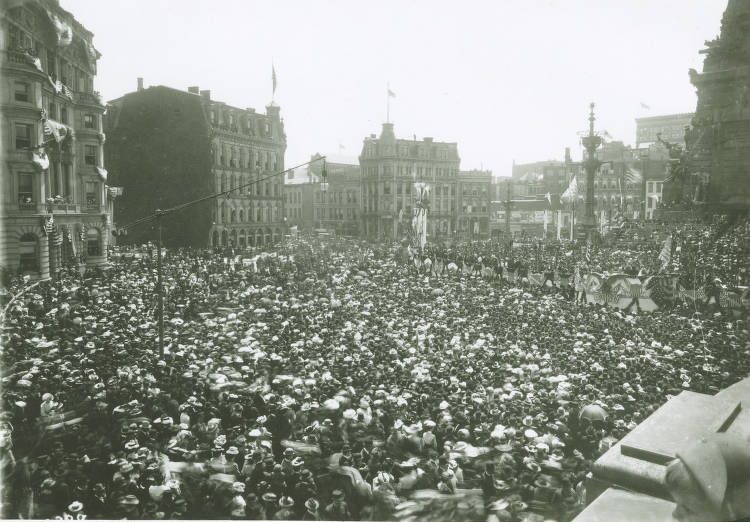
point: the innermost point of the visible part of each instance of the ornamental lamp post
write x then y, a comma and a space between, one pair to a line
591, 164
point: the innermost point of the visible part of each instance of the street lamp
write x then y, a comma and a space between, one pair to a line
591, 165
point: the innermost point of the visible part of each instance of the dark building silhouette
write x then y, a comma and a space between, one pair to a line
718, 145
169, 146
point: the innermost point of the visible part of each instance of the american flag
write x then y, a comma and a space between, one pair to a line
666, 252
633, 176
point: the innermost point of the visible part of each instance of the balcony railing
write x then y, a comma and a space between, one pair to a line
23, 58
90, 98
63, 208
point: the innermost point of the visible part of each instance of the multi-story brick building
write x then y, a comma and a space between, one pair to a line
299, 186
57, 207
170, 146
390, 167
336, 206
474, 190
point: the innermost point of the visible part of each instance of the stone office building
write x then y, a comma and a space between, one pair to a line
473, 203
390, 167
336, 206
169, 146
57, 206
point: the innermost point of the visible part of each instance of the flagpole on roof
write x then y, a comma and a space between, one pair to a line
273, 81
388, 103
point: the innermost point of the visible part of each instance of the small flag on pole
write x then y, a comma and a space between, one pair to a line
391, 94
643, 105
571, 193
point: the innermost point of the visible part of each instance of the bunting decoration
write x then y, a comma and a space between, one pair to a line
571, 193
32, 60
666, 252
56, 131
63, 31
40, 159
633, 176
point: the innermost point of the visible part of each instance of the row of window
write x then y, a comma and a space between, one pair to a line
243, 157
337, 197
294, 213
22, 93
435, 152
293, 197
237, 123
54, 65
26, 190
260, 215
25, 138
233, 183
410, 170
334, 213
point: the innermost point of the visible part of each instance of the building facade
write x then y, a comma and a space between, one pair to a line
474, 190
671, 128
299, 188
336, 206
56, 202
170, 146
390, 167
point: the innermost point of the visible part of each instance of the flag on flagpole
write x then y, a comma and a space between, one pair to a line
633, 176
666, 252
571, 193
391, 94
643, 105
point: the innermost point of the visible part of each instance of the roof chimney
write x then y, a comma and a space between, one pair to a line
194, 89
140, 84
206, 95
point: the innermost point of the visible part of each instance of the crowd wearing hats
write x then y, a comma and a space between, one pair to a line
329, 381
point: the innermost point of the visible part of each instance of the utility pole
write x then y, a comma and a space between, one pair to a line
159, 287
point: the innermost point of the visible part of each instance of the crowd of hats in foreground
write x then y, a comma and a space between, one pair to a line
334, 383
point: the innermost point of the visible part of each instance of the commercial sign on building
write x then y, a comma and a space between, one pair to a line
671, 127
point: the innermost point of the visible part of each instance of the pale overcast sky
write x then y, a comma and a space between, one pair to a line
506, 79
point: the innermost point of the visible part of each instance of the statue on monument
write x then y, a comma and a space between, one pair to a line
711, 480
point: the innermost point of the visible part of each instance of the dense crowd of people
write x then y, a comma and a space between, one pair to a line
329, 380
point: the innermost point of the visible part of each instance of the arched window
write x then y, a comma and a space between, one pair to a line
233, 216
93, 242
29, 253
242, 216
